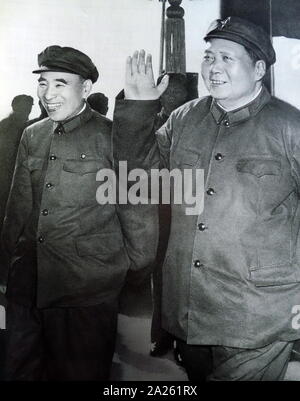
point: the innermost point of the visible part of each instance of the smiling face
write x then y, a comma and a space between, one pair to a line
229, 73
62, 94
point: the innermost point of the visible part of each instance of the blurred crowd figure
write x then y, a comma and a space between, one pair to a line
43, 115
181, 89
98, 102
11, 129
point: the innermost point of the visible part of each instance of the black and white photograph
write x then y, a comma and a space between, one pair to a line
149, 193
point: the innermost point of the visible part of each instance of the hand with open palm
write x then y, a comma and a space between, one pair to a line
139, 79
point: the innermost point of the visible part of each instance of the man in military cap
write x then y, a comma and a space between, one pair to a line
231, 276
68, 254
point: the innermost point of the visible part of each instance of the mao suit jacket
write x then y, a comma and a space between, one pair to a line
83, 249
231, 275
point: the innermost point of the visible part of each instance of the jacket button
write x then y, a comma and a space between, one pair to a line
226, 123
41, 239
49, 185
83, 156
210, 191
198, 264
219, 156
52, 157
45, 212
202, 227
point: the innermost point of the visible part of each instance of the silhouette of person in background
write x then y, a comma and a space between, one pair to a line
98, 102
11, 129
43, 115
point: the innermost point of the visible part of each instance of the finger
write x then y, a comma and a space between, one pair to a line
163, 84
128, 70
134, 62
149, 69
141, 63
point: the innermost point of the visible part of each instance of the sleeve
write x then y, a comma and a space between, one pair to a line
135, 142
134, 137
296, 166
19, 204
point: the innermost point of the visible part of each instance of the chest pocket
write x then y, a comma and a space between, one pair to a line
35, 163
259, 166
185, 158
82, 167
78, 181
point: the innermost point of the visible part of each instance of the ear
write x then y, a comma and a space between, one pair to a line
260, 69
87, 87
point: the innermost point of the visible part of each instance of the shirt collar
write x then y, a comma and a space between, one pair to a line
83, 108
253, 98
242, 113
79, 119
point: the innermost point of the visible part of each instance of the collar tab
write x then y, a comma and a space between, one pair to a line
243, 113
77, 120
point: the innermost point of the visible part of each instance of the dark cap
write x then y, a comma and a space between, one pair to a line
67, 59
245, 33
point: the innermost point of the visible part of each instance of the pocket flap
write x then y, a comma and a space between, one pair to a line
106, 243
275, 275
82, 167
259, 167
186, 157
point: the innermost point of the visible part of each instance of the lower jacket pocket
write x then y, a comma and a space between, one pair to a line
99, 244
275, 275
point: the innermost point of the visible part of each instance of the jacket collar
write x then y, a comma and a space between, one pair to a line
76, 121
243, 113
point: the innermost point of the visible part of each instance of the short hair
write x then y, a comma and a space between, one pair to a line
19, 101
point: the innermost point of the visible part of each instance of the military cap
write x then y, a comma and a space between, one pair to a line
245, 33
67, 59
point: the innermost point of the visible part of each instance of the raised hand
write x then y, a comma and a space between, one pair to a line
139, 79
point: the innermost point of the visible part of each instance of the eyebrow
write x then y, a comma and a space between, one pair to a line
222, 52
57, 80
61, 80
